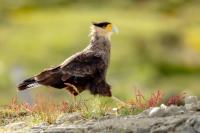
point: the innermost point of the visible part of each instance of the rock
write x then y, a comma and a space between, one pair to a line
41, 126
164, 110
192, 107
192, 103
15, 126
55, 130
194, 122
66, 117
191, 100
187, 122
66, 128
175, 110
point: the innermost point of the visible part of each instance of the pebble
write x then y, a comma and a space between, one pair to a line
156, 111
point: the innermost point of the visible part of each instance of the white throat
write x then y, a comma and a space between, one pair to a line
96, 31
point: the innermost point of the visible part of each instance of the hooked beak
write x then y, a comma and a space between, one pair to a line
114, 29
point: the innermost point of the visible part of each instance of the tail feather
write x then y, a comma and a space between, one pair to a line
28, 83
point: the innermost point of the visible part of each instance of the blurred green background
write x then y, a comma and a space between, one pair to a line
158, 45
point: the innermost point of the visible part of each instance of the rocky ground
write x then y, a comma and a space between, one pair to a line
163, 119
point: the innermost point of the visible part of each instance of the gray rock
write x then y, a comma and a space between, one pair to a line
15, 126
192, 107
164, 110
194, 121
192, 103
67, 129
66, 117
187, 122
175, 110
55, 130
191, 100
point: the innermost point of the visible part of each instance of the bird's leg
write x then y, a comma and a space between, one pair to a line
74, 91
74, 100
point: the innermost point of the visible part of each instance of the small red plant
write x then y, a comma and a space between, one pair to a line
142, 103
64, 106
14, 105
155, 99
177, 99
41, 105
139, 99
28, 107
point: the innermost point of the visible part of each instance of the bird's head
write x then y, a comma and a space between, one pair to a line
103, 29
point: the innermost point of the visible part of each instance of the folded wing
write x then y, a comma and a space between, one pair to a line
88, 64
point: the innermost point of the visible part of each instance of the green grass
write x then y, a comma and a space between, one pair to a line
47, 110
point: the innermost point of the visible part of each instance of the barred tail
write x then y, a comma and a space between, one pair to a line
28, 83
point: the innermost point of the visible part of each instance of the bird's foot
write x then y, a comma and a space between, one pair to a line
74, 101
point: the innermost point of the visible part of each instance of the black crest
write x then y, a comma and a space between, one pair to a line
101, 24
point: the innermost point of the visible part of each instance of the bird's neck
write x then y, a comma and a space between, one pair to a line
101, 45
99, 33
96, 35
100, 42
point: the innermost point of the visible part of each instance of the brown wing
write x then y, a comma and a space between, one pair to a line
84, 64
47, 73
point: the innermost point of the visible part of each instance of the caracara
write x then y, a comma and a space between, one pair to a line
85, 70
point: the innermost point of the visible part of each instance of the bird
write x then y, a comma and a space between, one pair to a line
85, 70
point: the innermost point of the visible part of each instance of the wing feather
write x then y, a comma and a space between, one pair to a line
47, 73
84, 64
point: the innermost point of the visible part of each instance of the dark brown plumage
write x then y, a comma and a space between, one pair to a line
86, 70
